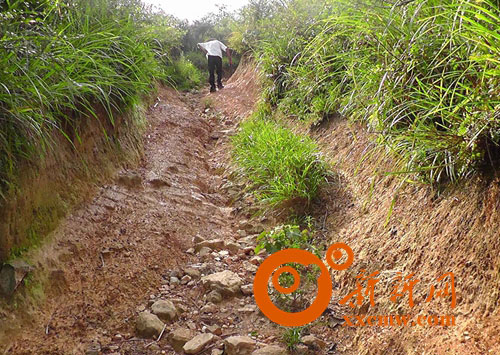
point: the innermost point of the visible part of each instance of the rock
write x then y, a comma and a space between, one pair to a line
176, 273
190, 251
214, 244
303, 350
174, 281
233, 247
214, 297
148, 325
247, 290
204, 251
165, 310
241, 233
312, 341
217, 352
179, 337
256, 260
239, 345
249, 309
198, 343
193, 273
250, 267
249, 250
226, 282
270, 350
209, 308
93, 349
186, 279
156, 181
215, 329
197, 239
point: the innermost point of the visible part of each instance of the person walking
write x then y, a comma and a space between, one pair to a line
214, 49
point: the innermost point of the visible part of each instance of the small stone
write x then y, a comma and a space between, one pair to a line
148, 325
213, 244
190, 251
209, 308
176, 273
197, 239
233, 247
303, 350
249, 250
217, 352
226, 282
165, 310
204, 251
256, 260
191, 283
186, 279
241, 233
249, 309
215, 329
239, 345
250, 267
179, 337
214, 297
223, 253
154, 347
174, 281
193, 273
270, 350
198, 343
311, 340
247, 290
93, 349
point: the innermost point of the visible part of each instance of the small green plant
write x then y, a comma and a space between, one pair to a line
292, 337
283, 237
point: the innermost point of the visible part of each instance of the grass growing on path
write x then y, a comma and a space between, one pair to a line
280, 165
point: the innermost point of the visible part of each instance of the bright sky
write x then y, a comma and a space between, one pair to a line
194, 9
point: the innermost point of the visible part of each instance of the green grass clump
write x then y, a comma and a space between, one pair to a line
282, 167
184, 75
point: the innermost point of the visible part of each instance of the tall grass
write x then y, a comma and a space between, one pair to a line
282, 167
60, 60
423, 75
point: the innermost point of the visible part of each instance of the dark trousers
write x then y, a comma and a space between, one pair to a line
215, 63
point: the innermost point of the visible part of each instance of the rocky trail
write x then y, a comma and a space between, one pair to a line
160, 260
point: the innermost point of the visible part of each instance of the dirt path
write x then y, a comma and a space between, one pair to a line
115, 255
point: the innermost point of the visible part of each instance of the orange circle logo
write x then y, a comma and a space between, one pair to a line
334, 252
270, 266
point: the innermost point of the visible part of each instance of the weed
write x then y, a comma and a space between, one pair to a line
292, 337
283, 237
